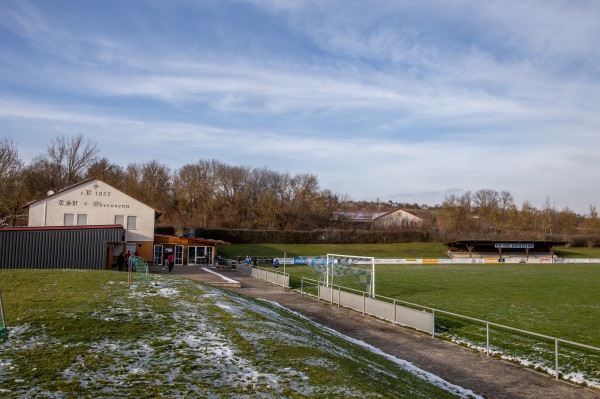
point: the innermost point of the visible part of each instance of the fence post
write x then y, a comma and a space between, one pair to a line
433, 313
395, 308
556, 356
364, 303
487, 338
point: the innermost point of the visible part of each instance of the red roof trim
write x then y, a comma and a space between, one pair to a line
43, 228
196, 239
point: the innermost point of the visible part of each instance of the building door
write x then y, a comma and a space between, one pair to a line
178, 254
196, 255
158, 255
209, 255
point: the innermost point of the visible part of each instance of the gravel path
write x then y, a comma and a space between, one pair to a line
489, 377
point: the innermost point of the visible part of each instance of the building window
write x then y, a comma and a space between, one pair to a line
82, 220
69, 219
120, 219
131, 222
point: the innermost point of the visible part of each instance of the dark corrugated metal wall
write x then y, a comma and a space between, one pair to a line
56, 249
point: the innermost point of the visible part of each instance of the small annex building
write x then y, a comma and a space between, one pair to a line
186, 250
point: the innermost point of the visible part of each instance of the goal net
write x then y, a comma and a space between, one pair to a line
350, 271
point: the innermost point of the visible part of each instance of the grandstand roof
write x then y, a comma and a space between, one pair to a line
506, 247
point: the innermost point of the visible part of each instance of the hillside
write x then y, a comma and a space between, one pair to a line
87, 334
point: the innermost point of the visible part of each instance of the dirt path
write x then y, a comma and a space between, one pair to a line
488, 377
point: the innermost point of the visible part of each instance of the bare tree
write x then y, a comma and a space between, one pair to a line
10, 163
13, 192
456, 213
194, 190
69, 159
108, 172
150, 183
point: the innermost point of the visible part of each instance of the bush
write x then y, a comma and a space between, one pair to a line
312, 237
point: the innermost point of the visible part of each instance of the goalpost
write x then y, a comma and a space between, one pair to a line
361, 267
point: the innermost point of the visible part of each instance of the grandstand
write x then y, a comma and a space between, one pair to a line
525, 250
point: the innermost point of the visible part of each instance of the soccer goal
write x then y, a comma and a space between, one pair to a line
138, 271
348, 270
351, 271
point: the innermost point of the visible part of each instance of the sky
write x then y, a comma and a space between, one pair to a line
389, 100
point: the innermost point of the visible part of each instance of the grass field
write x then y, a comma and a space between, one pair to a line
86, 334
401, 250
558, 300
561, 300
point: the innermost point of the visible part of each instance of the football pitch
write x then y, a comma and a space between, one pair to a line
560, 300
556, 300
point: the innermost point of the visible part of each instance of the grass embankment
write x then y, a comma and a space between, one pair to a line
87, 334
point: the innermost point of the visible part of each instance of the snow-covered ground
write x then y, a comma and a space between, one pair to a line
209, 345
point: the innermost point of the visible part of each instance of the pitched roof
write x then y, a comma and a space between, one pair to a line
27, 205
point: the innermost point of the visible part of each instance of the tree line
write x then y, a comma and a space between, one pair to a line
210, 194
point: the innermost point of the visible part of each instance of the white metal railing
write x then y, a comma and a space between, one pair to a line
435, 311
271, 276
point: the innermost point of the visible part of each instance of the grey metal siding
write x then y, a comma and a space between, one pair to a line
56, 249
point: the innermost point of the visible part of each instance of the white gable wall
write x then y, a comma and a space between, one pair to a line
398, 218
100, 203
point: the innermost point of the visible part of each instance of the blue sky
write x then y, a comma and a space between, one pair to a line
392, 100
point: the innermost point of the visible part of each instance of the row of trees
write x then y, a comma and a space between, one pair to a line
488, 213
211, 194
206, 194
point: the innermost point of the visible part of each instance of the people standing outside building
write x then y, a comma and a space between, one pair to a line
171, 261
248, 260
121, 261
276, 263
128, 259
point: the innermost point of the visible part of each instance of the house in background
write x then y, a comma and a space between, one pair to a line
398, 218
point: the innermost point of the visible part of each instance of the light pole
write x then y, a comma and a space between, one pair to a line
478, 226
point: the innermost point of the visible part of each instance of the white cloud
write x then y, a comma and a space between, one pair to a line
440, 96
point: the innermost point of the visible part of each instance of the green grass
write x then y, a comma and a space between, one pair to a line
87, 334
578, 252
405, 250
400, 250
